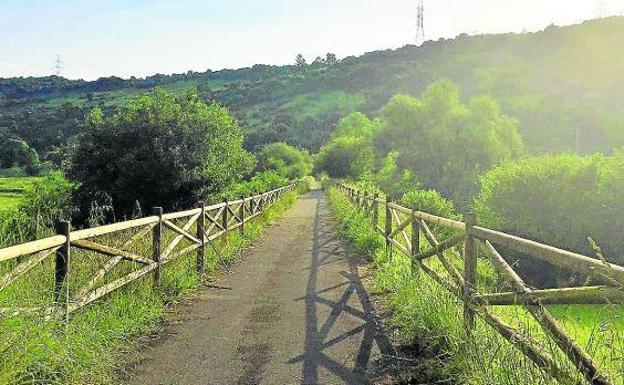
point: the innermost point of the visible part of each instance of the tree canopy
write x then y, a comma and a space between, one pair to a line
159, 151
285, 160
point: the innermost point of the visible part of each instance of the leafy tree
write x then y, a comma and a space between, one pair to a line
159, 151
331, 59
285, 160
15, 152
300, 61
444, 143
560, 200
346, 157
355, 124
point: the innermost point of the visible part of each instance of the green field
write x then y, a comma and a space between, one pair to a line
12, 190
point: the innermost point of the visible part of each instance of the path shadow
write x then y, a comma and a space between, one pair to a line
328, 249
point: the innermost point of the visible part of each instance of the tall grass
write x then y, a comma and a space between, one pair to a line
91, 348
429, 316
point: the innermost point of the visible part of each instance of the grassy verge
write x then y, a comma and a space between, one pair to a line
93, 345
428, 316
12, 190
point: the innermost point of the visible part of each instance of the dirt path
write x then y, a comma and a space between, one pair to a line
296, 313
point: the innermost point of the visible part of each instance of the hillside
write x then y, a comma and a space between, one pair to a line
562, 84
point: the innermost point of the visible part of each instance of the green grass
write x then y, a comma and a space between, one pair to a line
427, 315
92, 348
12, 189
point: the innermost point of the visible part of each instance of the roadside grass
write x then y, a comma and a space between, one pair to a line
12, 189
92, 347
429, 316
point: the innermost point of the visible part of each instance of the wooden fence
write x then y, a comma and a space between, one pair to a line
404, 228
209, 223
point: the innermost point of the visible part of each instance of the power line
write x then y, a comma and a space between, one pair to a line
420, 23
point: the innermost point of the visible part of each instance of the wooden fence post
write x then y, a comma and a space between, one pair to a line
201, 228
157, 243
415, 238
241, 212
61, 269
470, 270
224, 216
388, 227
375, 211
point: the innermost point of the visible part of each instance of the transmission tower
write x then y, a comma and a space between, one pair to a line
58, 66
420, 23
602, 9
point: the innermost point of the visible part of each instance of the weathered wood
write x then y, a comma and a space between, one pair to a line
589, 295
573, 351
25, 267
440, 247
172, 245
388, 228
110, 251
566, 259
432, 240
112, 228
180, 231
224, 217
62, 269
400, 246
201, 250
376, 211
31, 247
443, 222
401, 226
241, 214
415, 244
157, 243
470, 270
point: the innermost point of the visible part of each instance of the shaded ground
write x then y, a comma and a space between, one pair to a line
294, 311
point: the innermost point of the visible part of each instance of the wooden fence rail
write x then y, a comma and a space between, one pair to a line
171, 238
477, 239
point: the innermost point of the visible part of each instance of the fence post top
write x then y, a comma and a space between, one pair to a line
471, 218
63, 227
157, 211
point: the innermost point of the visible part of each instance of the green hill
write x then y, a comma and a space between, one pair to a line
563, 84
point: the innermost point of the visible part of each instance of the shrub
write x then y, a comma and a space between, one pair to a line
159, 151
560, 200
305, 184
346, 157
286, 160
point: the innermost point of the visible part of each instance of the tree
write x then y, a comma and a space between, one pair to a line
355, 124
15, 152
159, 151
300, 61
445, 143
331, 59
346, 157
285, 160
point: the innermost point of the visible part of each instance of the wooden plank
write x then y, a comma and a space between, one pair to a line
25, 267
583, 361
432, 240
440, 247
31, 247
589, 295
111, 251
179, 238
470, 270
566, 259
112, 228
444, 222
180, 231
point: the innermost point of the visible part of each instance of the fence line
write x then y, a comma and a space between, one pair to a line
211, 222
474, 238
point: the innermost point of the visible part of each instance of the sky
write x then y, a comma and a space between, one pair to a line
96, 38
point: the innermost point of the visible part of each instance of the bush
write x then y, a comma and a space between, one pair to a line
431, 202
346, 157
159, 151
560, 200
285, 160
305, 184
259, 183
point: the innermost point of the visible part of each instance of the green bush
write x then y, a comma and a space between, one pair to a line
284, 159
562, 200
159, 151
305, 184
345, 157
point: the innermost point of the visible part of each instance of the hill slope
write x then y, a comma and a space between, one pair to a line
563, 84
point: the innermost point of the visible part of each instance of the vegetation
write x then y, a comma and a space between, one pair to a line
430, 319
569, 201
97, 338
558, 83
157, 151
285, 160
